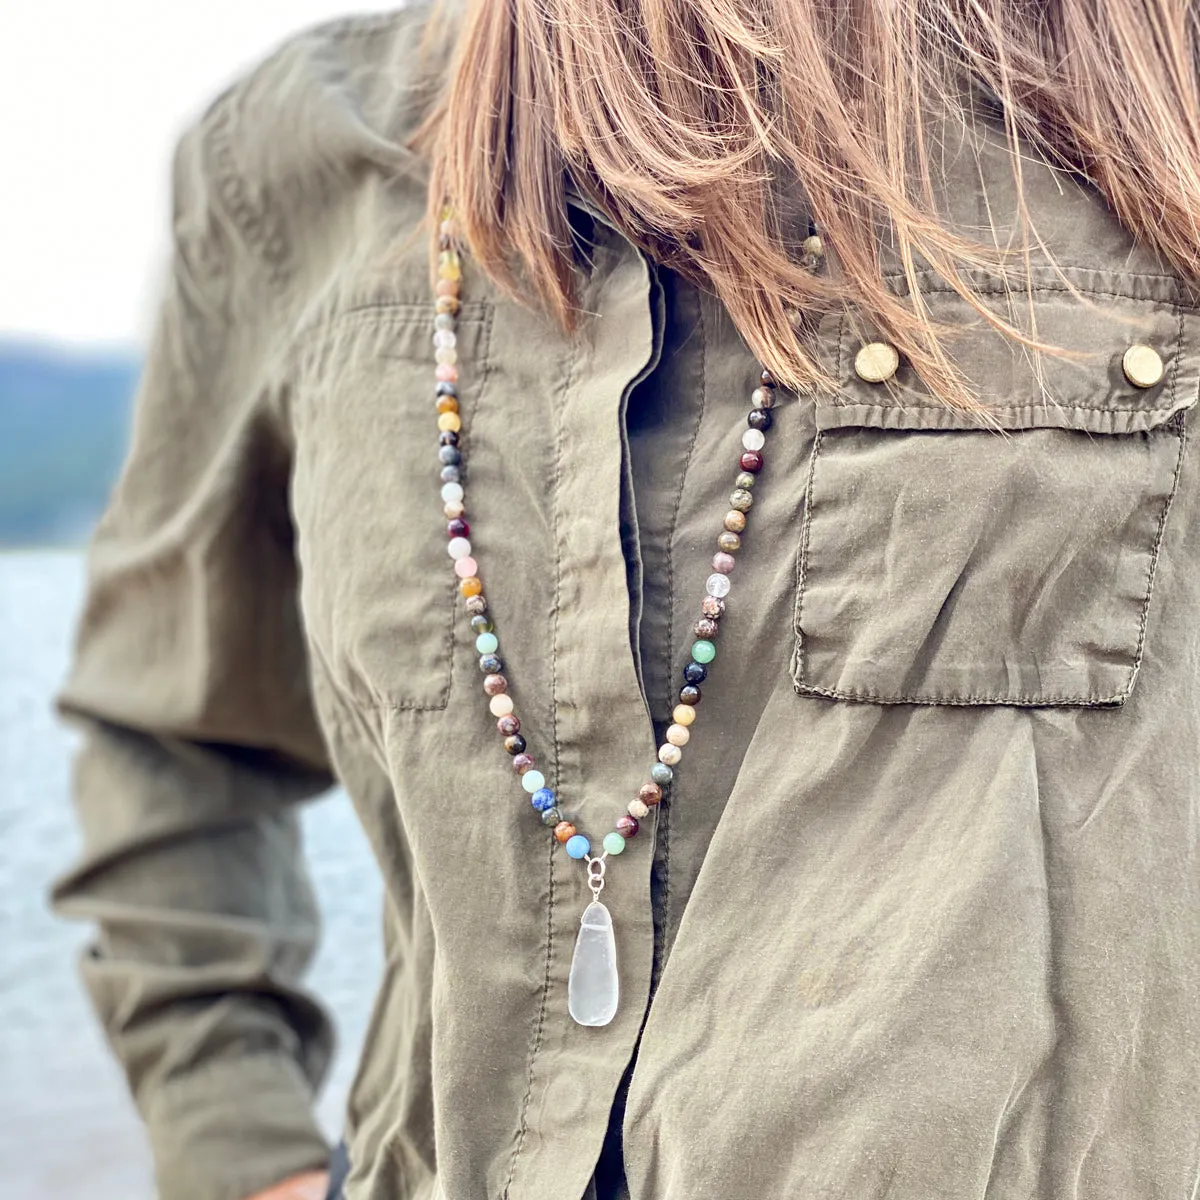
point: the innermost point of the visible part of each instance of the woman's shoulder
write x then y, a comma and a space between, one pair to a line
291, 139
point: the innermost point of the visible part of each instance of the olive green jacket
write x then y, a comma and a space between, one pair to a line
921, 915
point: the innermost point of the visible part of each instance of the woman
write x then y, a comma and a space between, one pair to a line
872, 874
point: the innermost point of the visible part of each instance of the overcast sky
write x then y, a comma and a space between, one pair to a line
93, 95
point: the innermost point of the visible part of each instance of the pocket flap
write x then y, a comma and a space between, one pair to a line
1023, 389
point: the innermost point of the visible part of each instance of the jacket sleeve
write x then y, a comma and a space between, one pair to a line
190, 687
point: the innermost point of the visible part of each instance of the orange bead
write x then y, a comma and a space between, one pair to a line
564, 831
449, 422
447, 404
471, 586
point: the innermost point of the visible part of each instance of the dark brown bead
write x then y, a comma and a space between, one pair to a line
523, 763
752, 461
650, 794
508, 725
767, 379
689, 695
759, 419
712, 606
706, 627
762, 398
515, 744
495, 685
627, 826
458, 528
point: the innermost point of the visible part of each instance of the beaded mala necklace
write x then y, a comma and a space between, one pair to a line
593, 988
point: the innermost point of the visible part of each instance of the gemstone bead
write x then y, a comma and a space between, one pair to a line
754, 439
578, 846
448, 456
717, 585
515, 744
564, 831
447, 304
735, 521
613, 843
452, 492
500, 706
683, 714
471, 588
762, 397
706, 627
458, 547
447, 371
741, 500
649, 794
447, 404
458, 528
678, 735
627, 826
745, 481
703, 651
712, 606
760, 418
669, 754
508, 725
494, 685
752, 461
464, 568
453, 509
481, 624
638, 810
523, 763
447, 438
723, 562
729, 543
449, 421
490, 664
531, 781
450, 474
695, 672
542, 799
767, 378
487, 643
444, 337
443, 322
552, 816
689, 695
662, 774
476, 603
447, 389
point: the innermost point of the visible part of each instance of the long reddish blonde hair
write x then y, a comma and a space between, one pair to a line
680, 117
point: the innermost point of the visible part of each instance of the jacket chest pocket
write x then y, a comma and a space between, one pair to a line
945, 563
377, 586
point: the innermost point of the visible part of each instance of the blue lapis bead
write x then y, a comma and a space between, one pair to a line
578, 846
542, 799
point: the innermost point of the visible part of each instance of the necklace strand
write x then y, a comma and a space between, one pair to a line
495, 683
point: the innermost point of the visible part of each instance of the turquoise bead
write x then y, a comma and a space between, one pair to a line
533, 781
614, 843
487, 643
703, 651
578, 846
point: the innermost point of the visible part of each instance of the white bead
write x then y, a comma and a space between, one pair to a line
445, 337
754, 439
678, 735
459, 547
638, 810
452, 492
718, 585
501, 705
445, 356
669, 754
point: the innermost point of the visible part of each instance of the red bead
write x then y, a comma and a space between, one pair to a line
458, 528
627, 826
508, 725
523, 763
752, 461
649, 794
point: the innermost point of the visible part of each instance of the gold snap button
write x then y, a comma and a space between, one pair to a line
876, 362
1142, 366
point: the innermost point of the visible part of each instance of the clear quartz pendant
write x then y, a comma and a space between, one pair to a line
592, 987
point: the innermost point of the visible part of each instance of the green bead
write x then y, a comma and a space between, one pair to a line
487, 643
744, 482
614, 843
704, 651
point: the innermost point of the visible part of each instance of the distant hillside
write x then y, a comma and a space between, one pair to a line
63, 427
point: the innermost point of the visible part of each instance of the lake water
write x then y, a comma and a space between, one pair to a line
67, 1128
